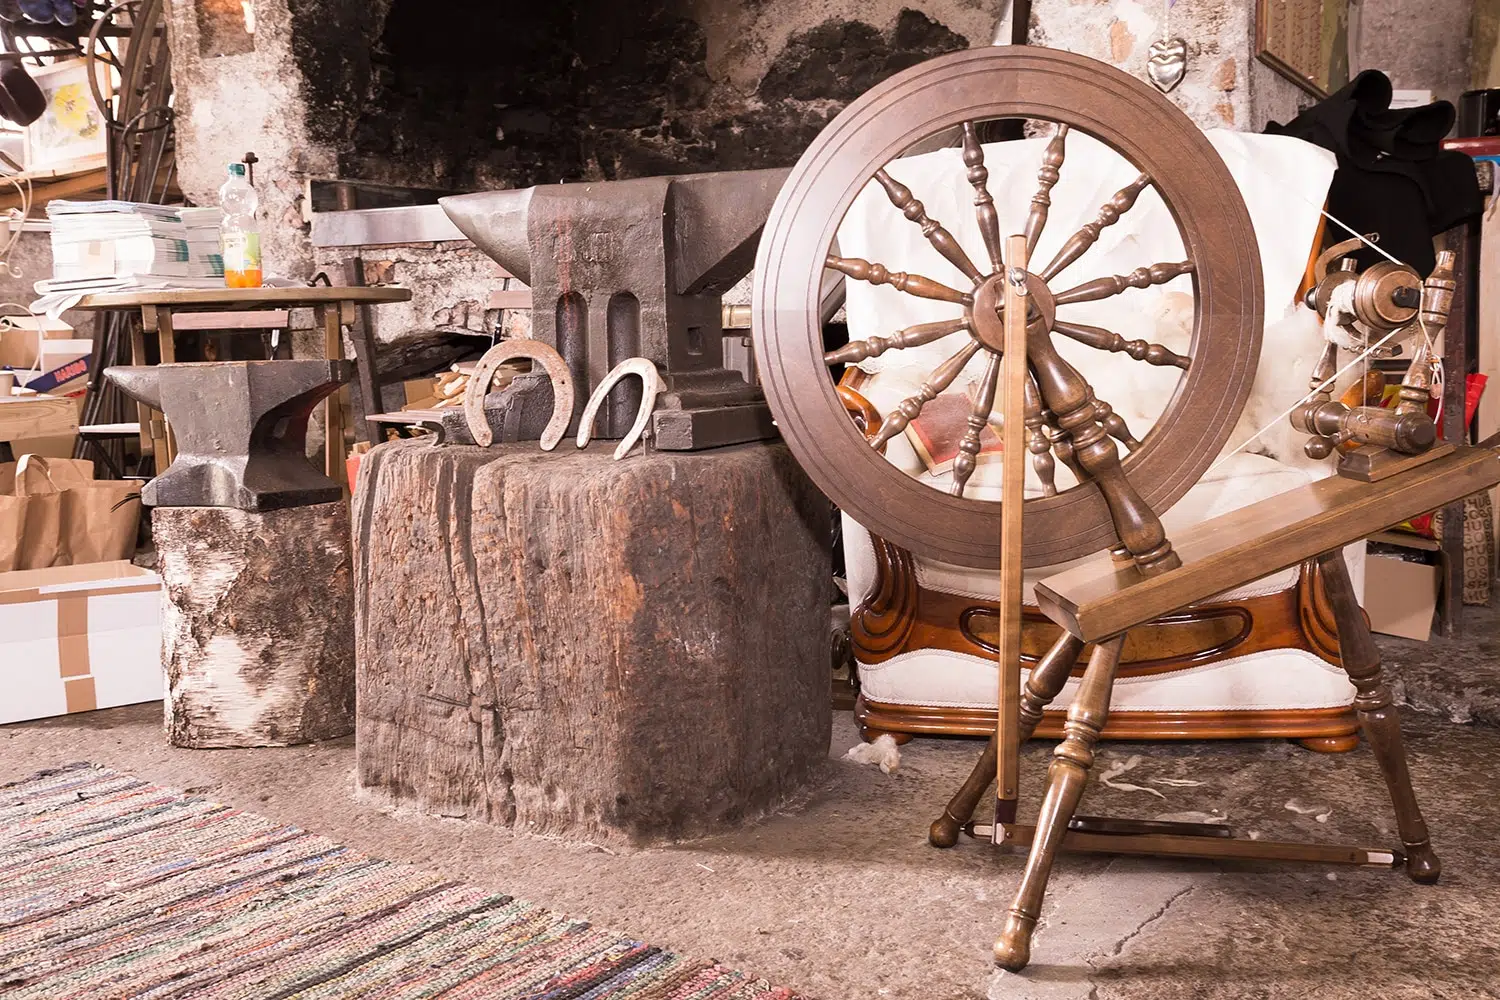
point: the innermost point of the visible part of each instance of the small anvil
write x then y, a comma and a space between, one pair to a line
241, 430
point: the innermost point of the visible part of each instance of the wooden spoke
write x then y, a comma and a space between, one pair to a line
1036, 439
984, 205
1106, 340
909, 408
913, 336
940, 238
1141, 277
912, 284
1114, 425
1109, 214
967, 458
1046, 177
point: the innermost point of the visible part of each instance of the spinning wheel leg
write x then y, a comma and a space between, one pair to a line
1065, 780
1044, 684
1046, 681
1377, 716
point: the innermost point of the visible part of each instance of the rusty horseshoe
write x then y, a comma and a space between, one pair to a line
651, 386
484, 373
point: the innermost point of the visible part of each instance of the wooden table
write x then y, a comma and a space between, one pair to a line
32, 416
333, 308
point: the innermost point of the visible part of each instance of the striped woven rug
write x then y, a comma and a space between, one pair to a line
112, 887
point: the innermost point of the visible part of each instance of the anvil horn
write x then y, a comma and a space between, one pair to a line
717, 219
496, 222
141, 383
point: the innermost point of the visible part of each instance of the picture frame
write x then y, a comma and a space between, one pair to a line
1306, 41
72, 135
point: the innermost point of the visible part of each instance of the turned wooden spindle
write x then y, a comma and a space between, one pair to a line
911, 407
1416, 385
940, 238
1107, 340
1044, 684
913, 336
1066, 777
1114, 424
1062, 447
1046, 177
1037, 442
967, 459
1320, 390
984, 204
1378, 717
1071, 399
912, 284
1115, 284
1109, 213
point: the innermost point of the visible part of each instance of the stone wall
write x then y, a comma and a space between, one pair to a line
412, 93
401, 91
1225, 85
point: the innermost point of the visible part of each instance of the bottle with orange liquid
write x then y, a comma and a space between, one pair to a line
240, 233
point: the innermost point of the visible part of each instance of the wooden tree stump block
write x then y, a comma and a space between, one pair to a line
565, 644
257, 624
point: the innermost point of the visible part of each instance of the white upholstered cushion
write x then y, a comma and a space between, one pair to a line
1271, 680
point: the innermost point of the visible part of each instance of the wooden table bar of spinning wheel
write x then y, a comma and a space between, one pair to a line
1012, 498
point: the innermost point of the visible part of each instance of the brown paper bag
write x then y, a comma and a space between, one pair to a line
100, 520
61, 471
92, 520
12, 530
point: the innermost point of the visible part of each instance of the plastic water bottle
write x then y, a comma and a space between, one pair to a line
240, 233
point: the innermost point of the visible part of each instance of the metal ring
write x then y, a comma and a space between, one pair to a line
651, 387
484, 374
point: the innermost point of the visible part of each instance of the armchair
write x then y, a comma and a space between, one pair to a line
1257, 661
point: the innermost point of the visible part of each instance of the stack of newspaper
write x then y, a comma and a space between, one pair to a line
111, 245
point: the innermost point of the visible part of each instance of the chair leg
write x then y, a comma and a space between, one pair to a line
1043, 685
1066, 777
1377, 716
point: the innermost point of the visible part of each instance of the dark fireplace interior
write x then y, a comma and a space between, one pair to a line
470, 94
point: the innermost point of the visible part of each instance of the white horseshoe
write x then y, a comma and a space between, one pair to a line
651, 386
484, 373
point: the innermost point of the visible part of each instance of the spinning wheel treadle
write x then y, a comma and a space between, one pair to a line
1116, 500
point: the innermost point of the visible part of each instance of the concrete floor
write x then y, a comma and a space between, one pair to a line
841, 897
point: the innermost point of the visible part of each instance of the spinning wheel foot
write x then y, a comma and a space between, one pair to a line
1013, 946
1422, 864
944, 831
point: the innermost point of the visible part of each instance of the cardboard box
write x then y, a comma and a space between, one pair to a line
18, 339
77, 638
1400, 596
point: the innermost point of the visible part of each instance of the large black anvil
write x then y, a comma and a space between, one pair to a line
637, 268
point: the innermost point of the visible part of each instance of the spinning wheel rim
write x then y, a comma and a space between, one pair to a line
1118, 110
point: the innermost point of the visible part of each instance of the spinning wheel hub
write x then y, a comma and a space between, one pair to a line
986, 317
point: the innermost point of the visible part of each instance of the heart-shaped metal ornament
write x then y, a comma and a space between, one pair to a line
1168, 63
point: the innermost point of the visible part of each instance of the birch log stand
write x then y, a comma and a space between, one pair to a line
257, 640
567, 644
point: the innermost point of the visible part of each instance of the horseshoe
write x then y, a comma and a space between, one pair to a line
484, 374
651, 386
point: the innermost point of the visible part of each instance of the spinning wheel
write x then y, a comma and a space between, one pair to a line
1117, 500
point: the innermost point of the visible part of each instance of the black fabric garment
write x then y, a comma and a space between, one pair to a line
1393, 177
